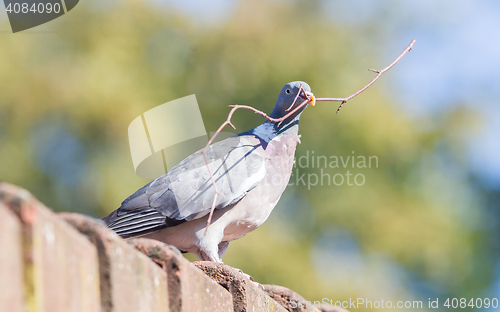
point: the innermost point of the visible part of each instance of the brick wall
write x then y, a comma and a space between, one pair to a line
69, 262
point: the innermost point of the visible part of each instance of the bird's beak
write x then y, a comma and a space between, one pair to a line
311, 98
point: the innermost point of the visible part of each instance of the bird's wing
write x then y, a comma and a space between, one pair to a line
186, 192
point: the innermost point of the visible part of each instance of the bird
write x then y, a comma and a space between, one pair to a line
251, 170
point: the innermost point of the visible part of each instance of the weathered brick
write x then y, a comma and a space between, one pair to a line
289, 299
130, 281
246, 295
46, 265
189, 288
60, 265
294, 302
11, 268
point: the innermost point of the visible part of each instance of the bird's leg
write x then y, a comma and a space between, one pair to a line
208, 249
222, 249
203, 255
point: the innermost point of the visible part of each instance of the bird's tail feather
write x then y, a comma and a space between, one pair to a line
132, 223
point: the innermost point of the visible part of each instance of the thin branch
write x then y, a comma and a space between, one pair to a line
279, 120
228, 122
379, 73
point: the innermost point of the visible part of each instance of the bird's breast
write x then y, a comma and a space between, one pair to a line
254, 208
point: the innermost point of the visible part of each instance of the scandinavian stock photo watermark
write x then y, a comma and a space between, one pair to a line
325, 169
430, 303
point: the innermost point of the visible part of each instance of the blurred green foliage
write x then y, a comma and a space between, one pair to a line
418, 227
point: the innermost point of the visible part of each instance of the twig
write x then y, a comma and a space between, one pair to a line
228, 122
295, 99
279, 120
379, 73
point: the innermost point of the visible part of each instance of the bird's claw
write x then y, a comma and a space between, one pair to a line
257, 284
246, 275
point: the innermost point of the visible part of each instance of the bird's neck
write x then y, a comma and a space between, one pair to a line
269, 130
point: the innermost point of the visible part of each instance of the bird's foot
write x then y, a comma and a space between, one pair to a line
246, 275
258, 285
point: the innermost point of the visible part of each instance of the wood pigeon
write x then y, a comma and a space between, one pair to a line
251, 170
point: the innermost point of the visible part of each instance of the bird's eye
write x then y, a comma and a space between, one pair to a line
288, 91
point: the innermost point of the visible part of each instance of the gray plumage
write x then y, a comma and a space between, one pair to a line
251, 169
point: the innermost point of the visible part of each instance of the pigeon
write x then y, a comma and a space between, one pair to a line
251, 171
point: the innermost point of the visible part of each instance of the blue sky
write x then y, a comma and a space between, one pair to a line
457, 63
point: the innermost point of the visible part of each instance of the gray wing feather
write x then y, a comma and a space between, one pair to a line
186, 192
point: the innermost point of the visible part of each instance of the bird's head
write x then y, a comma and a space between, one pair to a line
291, 96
